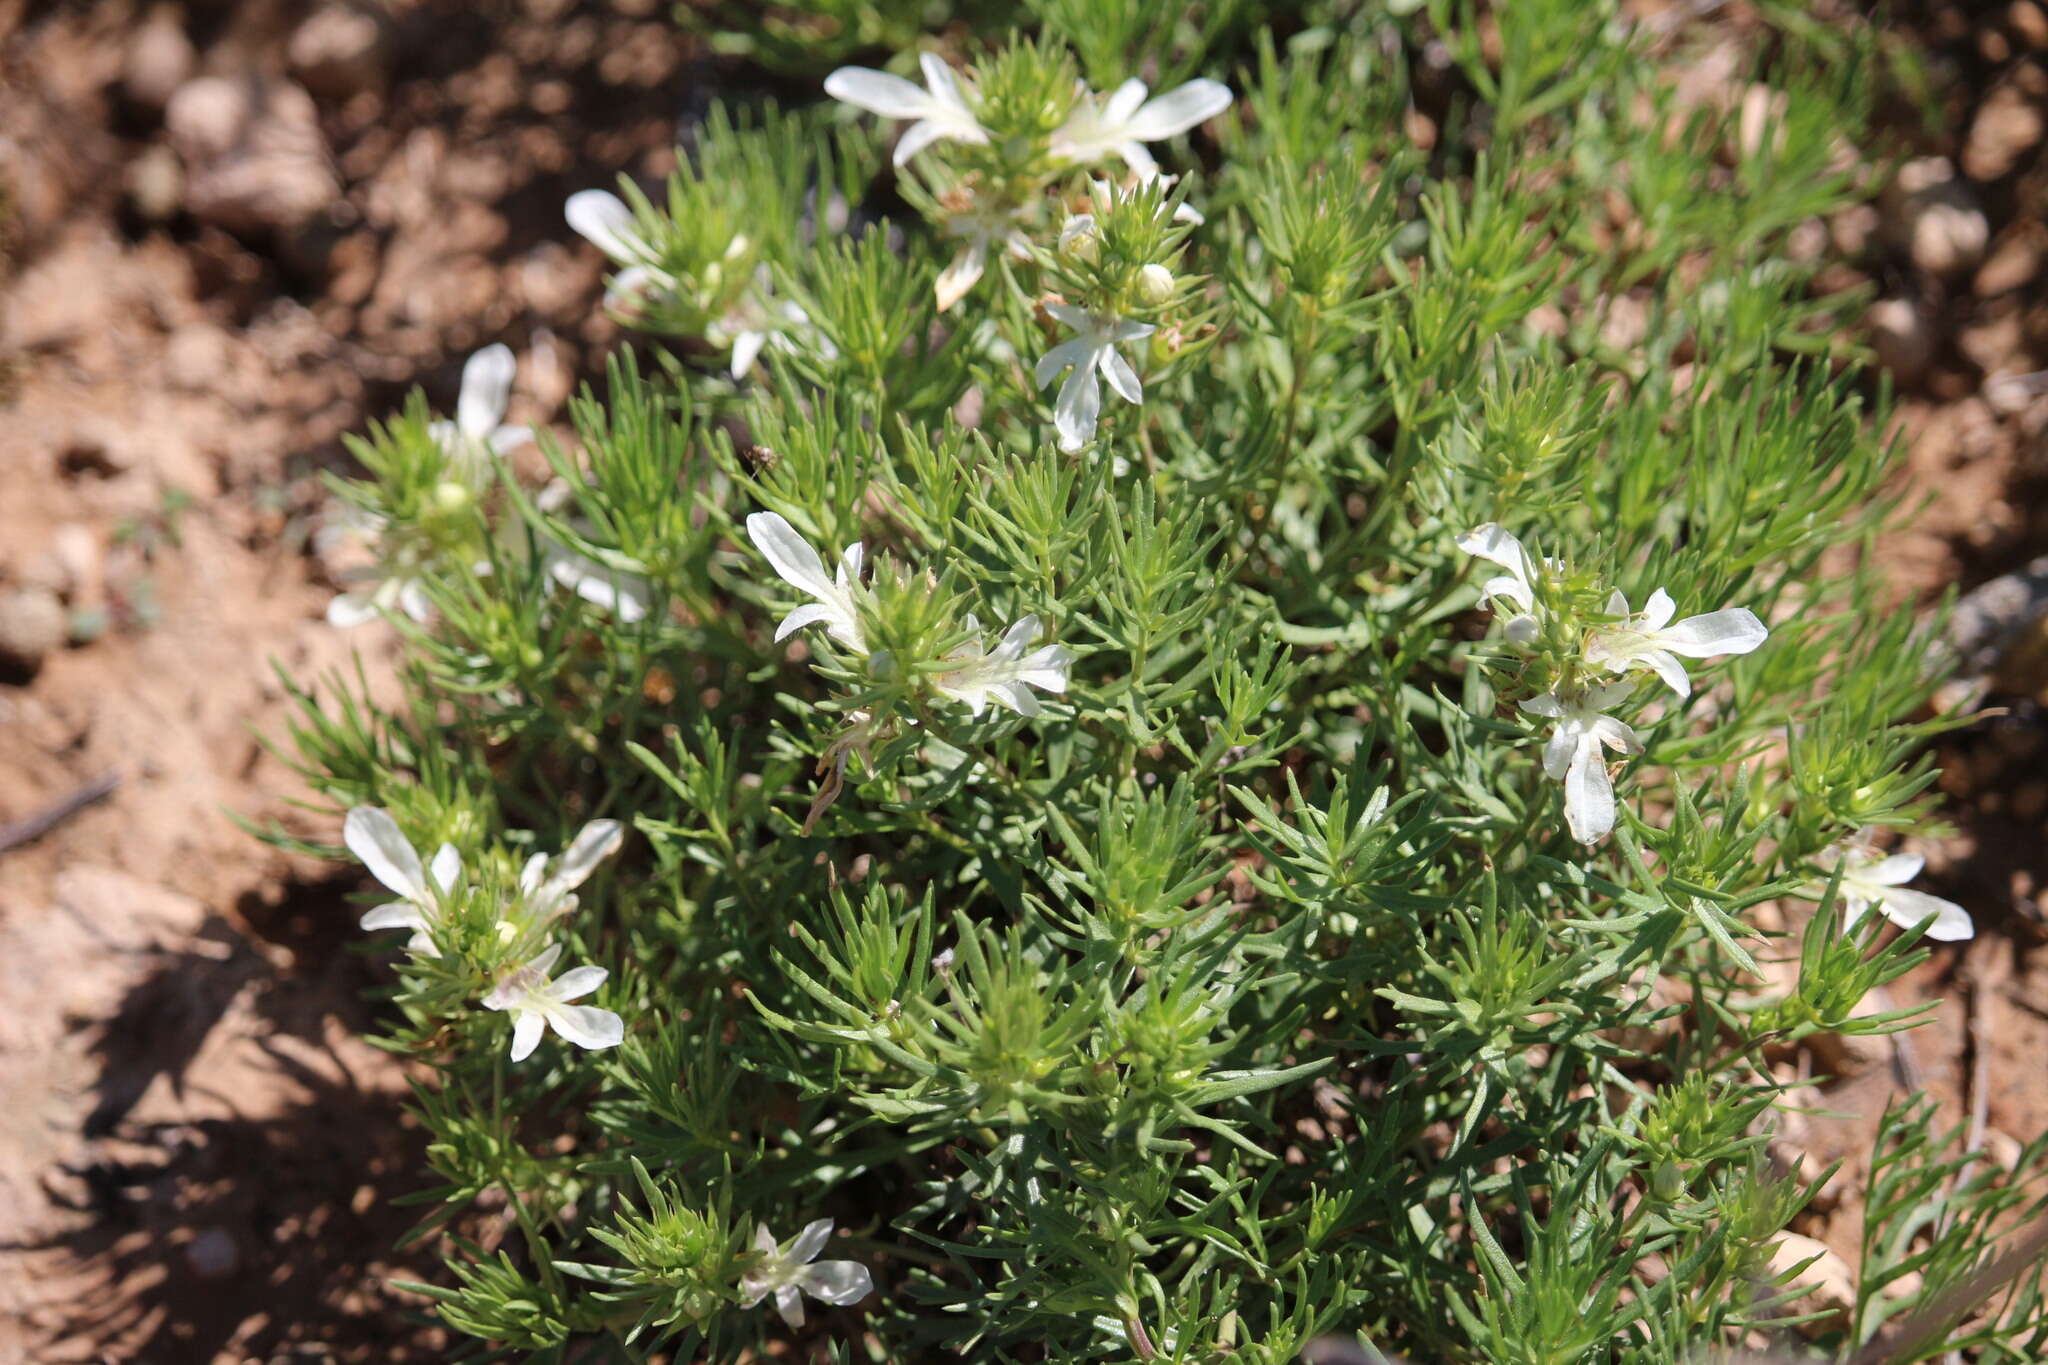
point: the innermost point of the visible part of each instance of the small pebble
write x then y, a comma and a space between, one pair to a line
32, 627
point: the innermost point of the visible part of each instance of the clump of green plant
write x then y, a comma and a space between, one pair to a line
1176, 875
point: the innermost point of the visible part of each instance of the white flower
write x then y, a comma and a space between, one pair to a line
788, 1273
977, 231
1869, 879
1517, 586
1573, 755
799, 565
373, 836
1122, 122
940, 111
602, 219
395, 580
757, 321
1095, 349
624, 595
538, 1004
1649, 639
1006, 674
545, 895
478, 434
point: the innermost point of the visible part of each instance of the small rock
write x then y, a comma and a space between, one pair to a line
1949, 234
32, 626
2014, 262
254, 156
341, 50
1903, 338
156, 184
1934, 217
1830, 1284
158, 61
78, 554
2003, 1148
2008, 125
1853, 228
2028, 22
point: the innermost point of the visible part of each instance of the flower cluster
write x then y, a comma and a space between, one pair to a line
428, 901
999, 202
969, 674
1621, 642
466, 451
461, 459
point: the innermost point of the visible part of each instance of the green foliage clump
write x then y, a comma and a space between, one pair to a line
1100, 851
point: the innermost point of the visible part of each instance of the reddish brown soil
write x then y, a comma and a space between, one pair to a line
196, 1154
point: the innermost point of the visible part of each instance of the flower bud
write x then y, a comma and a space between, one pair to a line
1155, 284
452, 496
1079, 239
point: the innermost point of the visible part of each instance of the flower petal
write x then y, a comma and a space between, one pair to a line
1138, 159
1492, 543
445, 869
1508, 588
527, 1028
373, 836
1665, 665
837, 1282
394, 915
938, 79
351, 609
963, 273
746, 349
1079, 405
805, 1246
588, 1027
1559, 751
595, 842
1080, 319
790, 554
1908, 908
486, 388
1121, 376
1896, 870
576, 982
804, 616
878, 92
790, 1304
1074, 352
413, 600
1124, 101
915, 139
1178, 110
1658, 611
602, 219
1588, 796
1735, 631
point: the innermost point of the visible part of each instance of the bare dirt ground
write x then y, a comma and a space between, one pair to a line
233, 233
